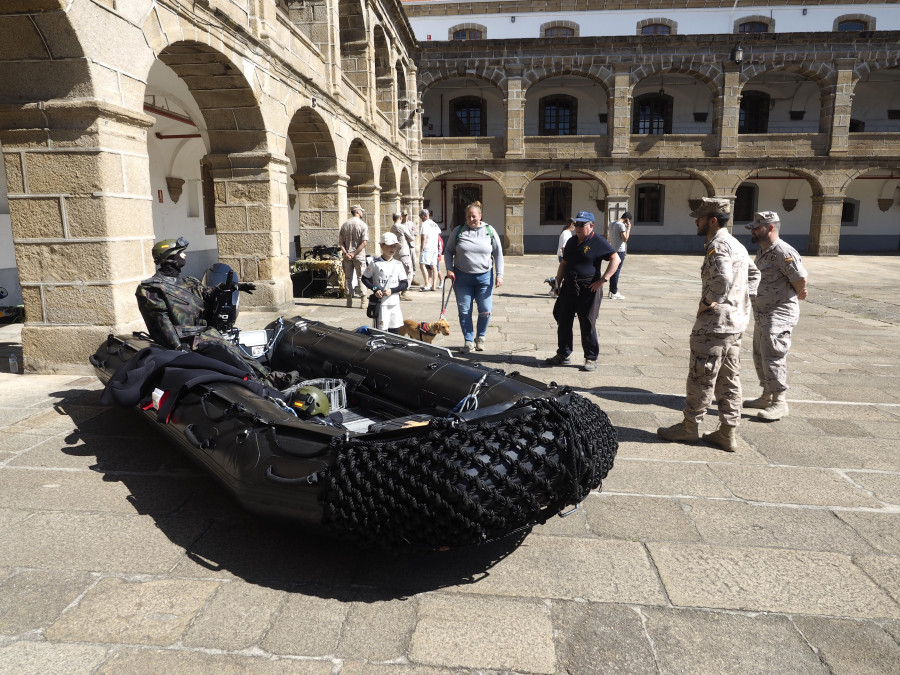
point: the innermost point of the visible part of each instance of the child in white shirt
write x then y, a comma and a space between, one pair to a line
387, 277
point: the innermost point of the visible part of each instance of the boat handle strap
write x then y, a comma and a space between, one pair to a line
311, 479
191, 434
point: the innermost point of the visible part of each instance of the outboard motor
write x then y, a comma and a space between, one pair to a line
222, 307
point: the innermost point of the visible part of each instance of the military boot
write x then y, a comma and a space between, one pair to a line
723, 438
764, 401
777, 409
685, 431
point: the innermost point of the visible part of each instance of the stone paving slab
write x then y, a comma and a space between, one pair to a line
692, 641
781, 557
769, 580
851, 646
483, 632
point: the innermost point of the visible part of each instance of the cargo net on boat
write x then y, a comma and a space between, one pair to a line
462, 484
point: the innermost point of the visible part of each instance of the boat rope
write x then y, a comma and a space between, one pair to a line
470, 400
464, 484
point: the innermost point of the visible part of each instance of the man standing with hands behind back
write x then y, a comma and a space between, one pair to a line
579, 284
776, 311
352, 238
729, 279
619, 232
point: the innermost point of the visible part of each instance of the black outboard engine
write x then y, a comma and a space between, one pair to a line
222, 306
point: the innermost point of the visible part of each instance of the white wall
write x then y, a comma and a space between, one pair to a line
690, 20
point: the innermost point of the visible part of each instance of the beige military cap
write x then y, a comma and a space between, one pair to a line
711, 206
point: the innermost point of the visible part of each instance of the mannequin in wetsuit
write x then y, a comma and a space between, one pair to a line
174, 310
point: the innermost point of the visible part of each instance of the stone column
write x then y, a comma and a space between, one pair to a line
730, 110
825, 224
514, 225
841, 106
390, 204
78, 182
515, 112
252, 233
322, 203
620, 116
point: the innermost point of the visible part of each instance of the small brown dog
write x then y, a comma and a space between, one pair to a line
423, 330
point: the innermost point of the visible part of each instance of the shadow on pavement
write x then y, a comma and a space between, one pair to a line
220, 538
636, 396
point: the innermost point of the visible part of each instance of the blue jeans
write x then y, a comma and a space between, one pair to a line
614, 281
477, 287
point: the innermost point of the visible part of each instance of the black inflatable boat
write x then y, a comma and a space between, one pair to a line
420, 449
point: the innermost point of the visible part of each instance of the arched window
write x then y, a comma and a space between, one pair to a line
467, 31
559, 32
847, 26
467, 116
558, 115
754, 115
556, 202
745, 200
652, 114
854, 22
850, 213
656, 29
753, 27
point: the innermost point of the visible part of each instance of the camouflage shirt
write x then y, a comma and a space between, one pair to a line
729, 278
172, 307
776, 305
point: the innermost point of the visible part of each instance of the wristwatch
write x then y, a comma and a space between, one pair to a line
708, 304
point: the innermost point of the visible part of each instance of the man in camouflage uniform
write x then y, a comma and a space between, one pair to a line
174, 309
729, 278
352, 238
407, 242
776, 310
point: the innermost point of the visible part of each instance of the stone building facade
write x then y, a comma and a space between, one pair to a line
240, 124
544, 109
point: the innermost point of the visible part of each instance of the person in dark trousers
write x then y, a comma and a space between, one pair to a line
579, 285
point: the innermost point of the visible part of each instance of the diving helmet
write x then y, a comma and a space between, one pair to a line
308, 401
162, 250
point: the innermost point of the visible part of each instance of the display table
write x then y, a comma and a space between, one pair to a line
315, 278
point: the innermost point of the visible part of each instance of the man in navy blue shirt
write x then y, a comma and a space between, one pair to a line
579, 283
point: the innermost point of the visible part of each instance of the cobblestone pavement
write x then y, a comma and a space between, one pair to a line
118, 556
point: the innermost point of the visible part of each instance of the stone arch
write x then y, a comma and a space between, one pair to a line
390, 195
354, 43
647, 174
382, 52
234, 121
437, 186
387, 175
467, 27
709, 74
532, 177
822, 75
362, 188
312, 142
481, 72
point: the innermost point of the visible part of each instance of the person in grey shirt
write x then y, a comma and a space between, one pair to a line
472, 252
619, 232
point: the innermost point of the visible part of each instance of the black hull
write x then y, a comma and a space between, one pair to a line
423, 476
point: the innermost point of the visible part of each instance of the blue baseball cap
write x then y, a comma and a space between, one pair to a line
584, 217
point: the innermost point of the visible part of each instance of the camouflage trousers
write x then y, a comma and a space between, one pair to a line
770, 350
351, 266
715, 369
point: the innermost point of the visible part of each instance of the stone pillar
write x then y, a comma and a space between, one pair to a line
322, 203
515, 112
251, 214
78, 182
514, 225
369, 197
616, 205
825, 224
841, 104
729, 111
390, 204
620, 116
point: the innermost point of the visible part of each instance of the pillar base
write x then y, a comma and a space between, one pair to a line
51, 349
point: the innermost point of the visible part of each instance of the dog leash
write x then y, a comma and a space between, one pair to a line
446, 300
